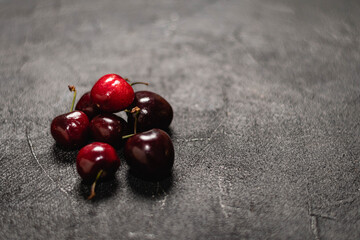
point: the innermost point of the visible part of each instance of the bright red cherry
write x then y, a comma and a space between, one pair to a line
94, 157
155, 111
150, 154
86, 105
112, 93
108, 128
96, 160
70, 130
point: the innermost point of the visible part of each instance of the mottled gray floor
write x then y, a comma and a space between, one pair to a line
266, 129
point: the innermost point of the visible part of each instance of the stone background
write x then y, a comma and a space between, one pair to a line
266, 95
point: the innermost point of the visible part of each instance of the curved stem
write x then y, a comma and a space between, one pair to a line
134, 83
72, 89
136, 111
92, 194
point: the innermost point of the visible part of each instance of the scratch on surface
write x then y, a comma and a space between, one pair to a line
344, 201
202, 152
313, 218
204, 149
141, 235
163, 202
148, 214
314, 226
322, 216
193, 140
222, 205
38, 162
219, 125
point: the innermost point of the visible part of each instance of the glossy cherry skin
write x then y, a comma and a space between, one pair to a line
86, 105
155, 111
150, 154
112, 93
108, 128
70, 130
94, 157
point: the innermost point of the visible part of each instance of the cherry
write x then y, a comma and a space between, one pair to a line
155, 111
108, 128
70, 130
86, 105
96, 160
150, 154
112, 93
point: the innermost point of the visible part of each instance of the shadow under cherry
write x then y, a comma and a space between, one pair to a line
62, 156
105, 189
149, 188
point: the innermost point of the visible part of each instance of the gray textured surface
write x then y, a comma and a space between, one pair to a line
266, 129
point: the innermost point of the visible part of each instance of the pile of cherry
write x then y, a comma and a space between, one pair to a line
148, 150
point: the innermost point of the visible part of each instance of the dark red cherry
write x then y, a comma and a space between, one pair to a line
86, 105
150, 154
70, 130
112, 93
108, 128
155, 111
96, 157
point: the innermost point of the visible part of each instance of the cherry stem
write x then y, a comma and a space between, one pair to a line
92, 194
134, 83
135, 110
136, 120
72, 89
127, 136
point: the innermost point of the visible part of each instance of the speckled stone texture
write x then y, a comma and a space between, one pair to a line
266, 97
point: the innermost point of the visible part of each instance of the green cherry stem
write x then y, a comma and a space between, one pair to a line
72, 89
135, 110
134, 83
92, 194
127, 136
